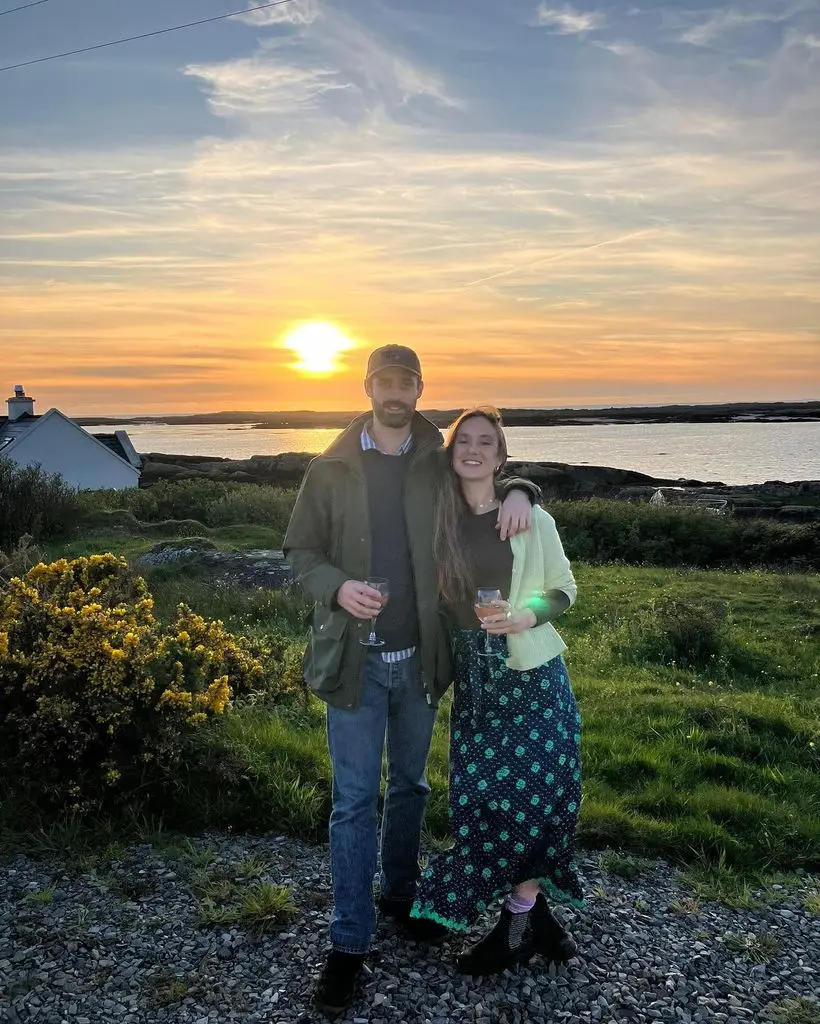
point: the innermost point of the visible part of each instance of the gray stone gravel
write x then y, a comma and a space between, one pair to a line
123, 944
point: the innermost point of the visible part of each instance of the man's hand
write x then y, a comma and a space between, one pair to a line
514, 515
508, 620
359, 600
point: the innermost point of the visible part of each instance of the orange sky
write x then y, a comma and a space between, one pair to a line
604, 209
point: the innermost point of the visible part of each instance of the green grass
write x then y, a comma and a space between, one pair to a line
793, 1011
711, 759
811, 902
615, 863
136, 541
757, 949
723, 775
261, 908
687, 906
42, 896
166, 989
715, 882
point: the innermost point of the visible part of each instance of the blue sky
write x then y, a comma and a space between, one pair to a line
612, 203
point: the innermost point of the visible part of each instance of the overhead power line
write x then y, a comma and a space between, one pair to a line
142, 35
22, 7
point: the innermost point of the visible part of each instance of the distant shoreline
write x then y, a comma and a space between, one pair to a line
733, 412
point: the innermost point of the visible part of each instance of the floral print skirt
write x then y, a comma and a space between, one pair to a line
515, 785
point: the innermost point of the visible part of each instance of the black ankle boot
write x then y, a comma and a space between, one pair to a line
549, 937
336, 985
418, 928
509, 943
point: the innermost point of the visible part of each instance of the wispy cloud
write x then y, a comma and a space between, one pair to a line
337, 54
296, 12
255, 85
726, 19
567, 21
653, 206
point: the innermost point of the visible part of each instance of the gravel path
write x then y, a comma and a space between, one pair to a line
123, 943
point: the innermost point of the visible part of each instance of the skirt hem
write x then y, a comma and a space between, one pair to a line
422, 913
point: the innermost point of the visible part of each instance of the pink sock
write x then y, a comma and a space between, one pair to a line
519, 904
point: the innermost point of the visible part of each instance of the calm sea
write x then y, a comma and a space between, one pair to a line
736, 453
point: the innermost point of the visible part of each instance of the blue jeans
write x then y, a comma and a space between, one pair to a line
393, 702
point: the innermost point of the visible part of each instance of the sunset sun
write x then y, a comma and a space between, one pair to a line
317, 346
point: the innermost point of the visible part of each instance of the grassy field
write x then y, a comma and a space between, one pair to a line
699, 689
700, 696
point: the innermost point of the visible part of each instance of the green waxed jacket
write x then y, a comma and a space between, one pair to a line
328, 542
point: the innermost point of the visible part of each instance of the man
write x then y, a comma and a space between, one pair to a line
366, 507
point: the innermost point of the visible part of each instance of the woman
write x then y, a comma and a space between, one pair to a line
515, 773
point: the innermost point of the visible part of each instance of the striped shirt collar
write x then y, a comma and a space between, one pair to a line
368, 444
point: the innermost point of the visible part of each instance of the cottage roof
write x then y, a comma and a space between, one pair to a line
11, 431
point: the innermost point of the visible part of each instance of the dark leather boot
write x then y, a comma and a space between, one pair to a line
418, 928
509, 943
336, 985
549, 937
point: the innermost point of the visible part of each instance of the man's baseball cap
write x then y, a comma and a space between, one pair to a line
393, 356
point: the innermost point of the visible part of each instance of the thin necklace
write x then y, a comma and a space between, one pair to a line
484, 504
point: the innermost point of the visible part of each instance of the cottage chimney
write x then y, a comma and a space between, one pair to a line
20, 405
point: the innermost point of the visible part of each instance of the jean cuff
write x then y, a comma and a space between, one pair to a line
344, 949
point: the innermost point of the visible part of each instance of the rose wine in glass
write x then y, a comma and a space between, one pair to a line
381, 584
486, 604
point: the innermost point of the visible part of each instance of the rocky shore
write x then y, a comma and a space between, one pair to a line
797, 501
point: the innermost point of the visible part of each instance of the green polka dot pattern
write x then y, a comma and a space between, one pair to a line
515, 785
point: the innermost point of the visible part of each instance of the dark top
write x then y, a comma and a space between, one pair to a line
390, 549
491, 559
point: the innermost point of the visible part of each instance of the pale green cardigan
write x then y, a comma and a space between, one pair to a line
539, 565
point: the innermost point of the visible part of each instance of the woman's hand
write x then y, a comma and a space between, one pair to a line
514, 515
508, 620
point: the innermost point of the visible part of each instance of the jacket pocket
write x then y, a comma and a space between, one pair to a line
322, 663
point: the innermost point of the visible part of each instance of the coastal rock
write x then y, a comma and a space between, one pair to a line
799, 513
258, 568
559, 481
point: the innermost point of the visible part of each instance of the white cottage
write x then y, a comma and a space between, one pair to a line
58, 445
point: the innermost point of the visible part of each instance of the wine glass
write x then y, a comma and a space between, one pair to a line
486, 604
382, 585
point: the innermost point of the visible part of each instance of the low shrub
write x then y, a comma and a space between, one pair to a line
688, 634
19, 560
210, 502
600, 531
167, 499
96, 697
253, 503
35, 503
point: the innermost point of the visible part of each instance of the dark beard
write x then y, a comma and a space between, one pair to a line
393, 418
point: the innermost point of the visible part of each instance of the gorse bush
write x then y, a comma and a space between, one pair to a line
96, 697
33, 502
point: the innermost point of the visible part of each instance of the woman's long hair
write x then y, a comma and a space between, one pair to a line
453, 566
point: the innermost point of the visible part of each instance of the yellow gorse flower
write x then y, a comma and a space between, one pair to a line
90, 676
